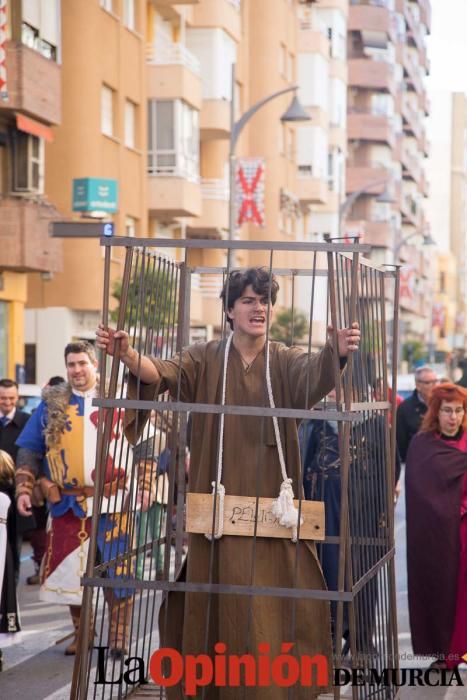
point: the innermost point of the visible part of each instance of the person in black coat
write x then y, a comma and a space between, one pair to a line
411, 411
12, 422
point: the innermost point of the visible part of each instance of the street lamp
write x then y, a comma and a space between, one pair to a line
427, 240
294, 113
385, 197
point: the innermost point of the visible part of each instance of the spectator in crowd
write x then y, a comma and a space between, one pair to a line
9, 555
12, 421
411, 411
436, 501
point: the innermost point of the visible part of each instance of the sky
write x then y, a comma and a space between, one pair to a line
447, 51
447, 46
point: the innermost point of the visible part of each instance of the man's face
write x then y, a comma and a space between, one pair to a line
8, 399
425, 383
81, 371
250, 313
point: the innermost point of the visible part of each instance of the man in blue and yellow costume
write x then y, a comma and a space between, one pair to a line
59, 443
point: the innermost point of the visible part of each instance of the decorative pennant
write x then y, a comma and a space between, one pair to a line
3, 38
250, 191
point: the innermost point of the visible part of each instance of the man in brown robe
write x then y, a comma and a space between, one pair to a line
251, 467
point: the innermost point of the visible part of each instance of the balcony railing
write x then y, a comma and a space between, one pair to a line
173, 55
170, 163
214, 189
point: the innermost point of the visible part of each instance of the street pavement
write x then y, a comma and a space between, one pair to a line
36, 667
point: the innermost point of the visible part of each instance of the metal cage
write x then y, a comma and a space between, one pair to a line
135, 567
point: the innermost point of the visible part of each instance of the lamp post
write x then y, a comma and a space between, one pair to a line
384, 197
427, 240
294, 113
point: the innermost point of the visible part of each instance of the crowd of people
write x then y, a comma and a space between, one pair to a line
47, 471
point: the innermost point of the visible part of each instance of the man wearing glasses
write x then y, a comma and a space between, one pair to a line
412, 410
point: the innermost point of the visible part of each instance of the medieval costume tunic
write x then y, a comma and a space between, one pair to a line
250, 467
436, 502
70, 465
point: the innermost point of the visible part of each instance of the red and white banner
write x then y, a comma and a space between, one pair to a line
438, 315
3, 38
407, 282
250, 191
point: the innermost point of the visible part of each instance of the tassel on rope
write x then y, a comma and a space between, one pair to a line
220, 512
284, 509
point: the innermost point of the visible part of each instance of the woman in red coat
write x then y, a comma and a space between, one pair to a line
436, 498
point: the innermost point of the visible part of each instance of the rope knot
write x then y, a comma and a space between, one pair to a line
284, 509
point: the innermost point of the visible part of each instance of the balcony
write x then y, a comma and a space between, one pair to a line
214, 122
312, 41
33, 84
174, 72
410, 210
173, 185
368, 126
360, 176
411, 165
311, 190
412, 69
25, 245
169, 3
412, 121
425, 13
424, 102
219, 13
214, 219
373, 22
379, 234
371, 74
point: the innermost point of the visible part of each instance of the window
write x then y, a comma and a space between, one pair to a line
130, 124
129, 14
107, 110
130, 226
40, 26
173, 139
28, 163
31, 37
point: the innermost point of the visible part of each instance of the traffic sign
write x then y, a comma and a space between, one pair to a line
81, 229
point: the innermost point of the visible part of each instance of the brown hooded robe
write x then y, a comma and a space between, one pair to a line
243, 622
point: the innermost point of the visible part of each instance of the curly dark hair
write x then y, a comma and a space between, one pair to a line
81, 346
261, 280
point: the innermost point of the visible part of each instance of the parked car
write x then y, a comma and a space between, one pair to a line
29, 397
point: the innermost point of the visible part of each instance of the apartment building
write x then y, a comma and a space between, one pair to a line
458, 210
100, 147
387, 144
147, 90
30, 109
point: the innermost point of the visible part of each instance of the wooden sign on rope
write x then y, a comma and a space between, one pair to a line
239, 517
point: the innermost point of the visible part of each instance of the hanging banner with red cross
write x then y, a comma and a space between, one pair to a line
250, 191
407, 282
3, 38
438, 315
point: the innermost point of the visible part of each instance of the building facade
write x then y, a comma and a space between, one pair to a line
387, 144
30, 111
458, 209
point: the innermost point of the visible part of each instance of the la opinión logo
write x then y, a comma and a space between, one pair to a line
167, 668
